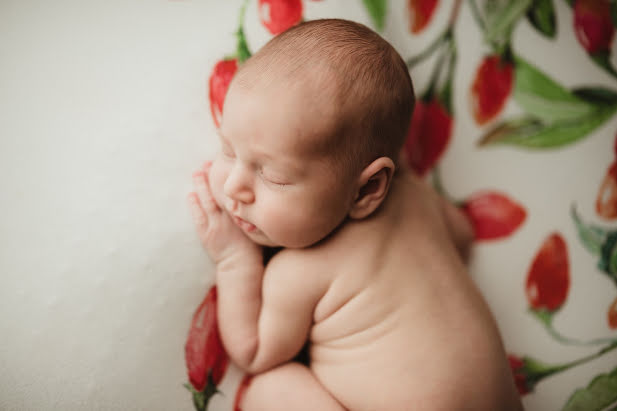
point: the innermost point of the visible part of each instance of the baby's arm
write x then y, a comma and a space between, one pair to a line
291, 290
264, 314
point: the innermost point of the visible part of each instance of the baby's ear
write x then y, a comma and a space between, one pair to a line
374, 183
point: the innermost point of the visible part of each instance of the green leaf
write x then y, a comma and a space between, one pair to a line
377, 11
534, 135
541, 15
614, 12
501, 18
600, 393
544, 98
608, 256
520, 126
202, 398
242, 48
603, 59
591, 236
596, 95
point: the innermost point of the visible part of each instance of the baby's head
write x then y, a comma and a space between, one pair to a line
311, 131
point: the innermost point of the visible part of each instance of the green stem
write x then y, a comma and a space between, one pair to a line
477, 16
546, 318
242, 49
431, 90
412, 61
446, 92
454, 14
582, 360
446, 35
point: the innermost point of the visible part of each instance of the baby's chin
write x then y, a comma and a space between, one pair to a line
260, 239
265, 241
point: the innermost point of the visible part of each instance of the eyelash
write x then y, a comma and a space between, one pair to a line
261, 174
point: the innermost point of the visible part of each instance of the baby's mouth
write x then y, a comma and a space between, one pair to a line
243, 224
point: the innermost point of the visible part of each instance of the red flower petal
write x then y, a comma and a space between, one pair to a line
520, 379
606, 200
493, 215
241, 390
429, 134
203, 351
220, 78
279, 15
491, 88
593, 26
420, 14
548, 279
611, 315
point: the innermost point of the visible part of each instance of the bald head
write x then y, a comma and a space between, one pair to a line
350, 70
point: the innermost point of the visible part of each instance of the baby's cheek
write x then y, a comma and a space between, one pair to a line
287, 225
217, 181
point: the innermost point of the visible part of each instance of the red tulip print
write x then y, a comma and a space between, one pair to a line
220, 78
606, 201
429, 134
241, 390
420, 14
205, 356
279, 15
493, 215
611, 315
518, 372
593, 26
491, 88
548, 279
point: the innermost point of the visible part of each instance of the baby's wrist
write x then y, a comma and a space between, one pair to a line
238, 260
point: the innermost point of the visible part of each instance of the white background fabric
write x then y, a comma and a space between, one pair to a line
104, 116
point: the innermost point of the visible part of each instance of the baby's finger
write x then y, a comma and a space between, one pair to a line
199, 216
200, 181
206, 167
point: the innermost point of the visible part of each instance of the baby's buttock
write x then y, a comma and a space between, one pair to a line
365, 354
394, 341
367, 377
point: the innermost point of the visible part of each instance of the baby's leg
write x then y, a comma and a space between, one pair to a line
291, 386
460, 228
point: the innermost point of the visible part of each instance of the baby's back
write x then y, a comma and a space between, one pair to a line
402, 326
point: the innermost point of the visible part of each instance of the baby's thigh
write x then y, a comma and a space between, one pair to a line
291, 386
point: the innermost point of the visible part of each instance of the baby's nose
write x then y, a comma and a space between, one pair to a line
238, 186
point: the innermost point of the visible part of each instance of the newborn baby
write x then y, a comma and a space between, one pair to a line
370, 272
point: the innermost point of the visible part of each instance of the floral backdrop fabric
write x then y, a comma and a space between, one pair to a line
514, 123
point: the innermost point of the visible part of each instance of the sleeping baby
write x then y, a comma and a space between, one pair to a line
371, 271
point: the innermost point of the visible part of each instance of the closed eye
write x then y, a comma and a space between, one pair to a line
273, 180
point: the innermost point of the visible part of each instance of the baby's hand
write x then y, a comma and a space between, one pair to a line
222, 239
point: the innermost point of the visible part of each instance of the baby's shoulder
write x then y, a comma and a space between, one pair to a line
301, 259
303, 268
